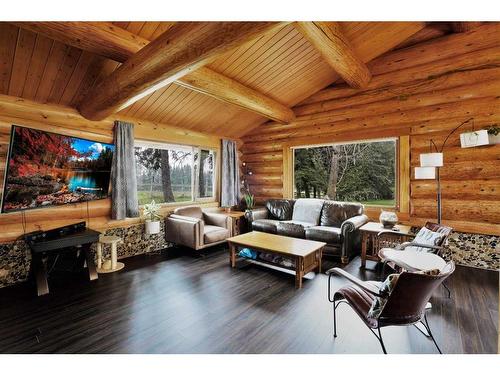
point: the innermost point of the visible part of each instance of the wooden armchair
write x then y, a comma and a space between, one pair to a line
415, 256
405, 305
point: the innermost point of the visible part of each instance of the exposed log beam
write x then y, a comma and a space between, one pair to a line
101, 38
328, 39
463, 27
108, 40
230, 91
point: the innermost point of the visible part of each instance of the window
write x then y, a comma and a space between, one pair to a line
362, 172
204, 172
174, 174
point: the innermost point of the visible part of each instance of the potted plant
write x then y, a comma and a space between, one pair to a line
249, 201
494, 134
152, 215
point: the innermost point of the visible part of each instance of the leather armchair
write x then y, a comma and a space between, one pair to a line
405, 304
191, 227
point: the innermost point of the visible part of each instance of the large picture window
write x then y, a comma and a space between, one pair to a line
362, 172
173, 173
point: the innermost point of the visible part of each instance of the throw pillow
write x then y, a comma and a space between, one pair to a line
426, 237
385, 290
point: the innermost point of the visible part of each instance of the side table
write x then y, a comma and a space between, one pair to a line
109, 265
371, 243
237, 219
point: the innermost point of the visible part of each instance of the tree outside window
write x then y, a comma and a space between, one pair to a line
361, 172
168, 174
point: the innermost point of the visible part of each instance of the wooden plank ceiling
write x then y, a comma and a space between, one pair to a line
282, 64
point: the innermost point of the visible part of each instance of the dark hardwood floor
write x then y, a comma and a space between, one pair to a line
175, 303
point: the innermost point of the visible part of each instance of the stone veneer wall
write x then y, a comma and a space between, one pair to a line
474, 250
15, 257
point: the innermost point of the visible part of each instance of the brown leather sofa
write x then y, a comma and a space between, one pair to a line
191, 227
335, 223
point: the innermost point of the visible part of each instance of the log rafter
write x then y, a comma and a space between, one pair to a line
111, 41
328, 39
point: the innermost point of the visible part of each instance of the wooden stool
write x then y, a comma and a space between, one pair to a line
115, 265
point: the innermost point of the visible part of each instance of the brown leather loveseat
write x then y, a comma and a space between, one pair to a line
335, 223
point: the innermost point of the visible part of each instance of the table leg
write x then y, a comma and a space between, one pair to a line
232, 254
299, 272
89, 259
40, 272
320, 256
364, 245
236, 227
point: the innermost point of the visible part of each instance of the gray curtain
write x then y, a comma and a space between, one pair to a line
124, 201
230, 195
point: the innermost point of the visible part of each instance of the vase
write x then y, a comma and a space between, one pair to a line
152, 227
388, 219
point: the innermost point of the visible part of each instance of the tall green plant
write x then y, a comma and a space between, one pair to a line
249, 201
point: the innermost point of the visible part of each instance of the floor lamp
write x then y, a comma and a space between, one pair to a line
430, 164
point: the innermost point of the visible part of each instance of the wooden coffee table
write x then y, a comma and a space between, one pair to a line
306, 254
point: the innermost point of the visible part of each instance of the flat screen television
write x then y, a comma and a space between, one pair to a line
46, 169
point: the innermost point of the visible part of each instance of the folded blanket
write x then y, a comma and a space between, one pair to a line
248, 253
277, 259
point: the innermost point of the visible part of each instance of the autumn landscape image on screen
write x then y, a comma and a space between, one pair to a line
46, 169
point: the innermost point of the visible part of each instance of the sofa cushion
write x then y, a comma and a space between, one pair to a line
212, 234
291, 229
297, 222
265, 225
335, 213
307, 210
280, 209
330, 235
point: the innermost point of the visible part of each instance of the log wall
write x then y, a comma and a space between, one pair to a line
423, 91
67, 121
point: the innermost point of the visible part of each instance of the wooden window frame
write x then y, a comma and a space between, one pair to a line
402, 170
194, 148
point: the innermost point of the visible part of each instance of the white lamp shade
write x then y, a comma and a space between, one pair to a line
434, 159
475, 138
425, 173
